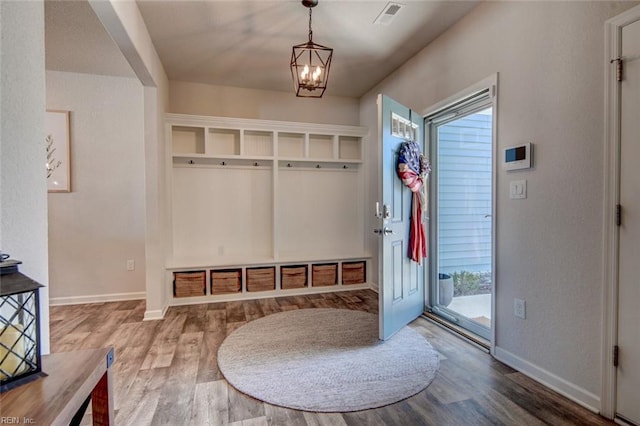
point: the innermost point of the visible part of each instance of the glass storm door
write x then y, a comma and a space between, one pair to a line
461, 284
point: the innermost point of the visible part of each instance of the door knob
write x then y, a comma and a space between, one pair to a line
385, 231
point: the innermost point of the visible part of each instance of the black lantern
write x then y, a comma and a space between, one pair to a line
20, 360
310, 64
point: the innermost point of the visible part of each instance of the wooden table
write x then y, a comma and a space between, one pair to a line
54, 400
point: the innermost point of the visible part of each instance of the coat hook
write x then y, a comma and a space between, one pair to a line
289, 165
317, 166
223, 163
191, 162
345, 166
255, 164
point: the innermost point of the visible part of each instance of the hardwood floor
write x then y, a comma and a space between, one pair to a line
166, 372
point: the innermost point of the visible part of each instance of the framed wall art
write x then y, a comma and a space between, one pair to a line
57, 142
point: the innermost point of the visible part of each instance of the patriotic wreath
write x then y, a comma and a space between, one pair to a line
413, 169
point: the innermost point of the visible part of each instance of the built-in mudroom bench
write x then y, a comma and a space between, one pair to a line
262, 208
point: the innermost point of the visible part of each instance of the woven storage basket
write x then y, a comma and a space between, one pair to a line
293, 277
189, 284
353, 273
324, 274
226, 281
261, 279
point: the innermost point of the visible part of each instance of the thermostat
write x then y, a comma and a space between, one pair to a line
518, 157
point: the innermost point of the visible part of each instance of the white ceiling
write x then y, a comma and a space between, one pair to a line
248, 43
76, 41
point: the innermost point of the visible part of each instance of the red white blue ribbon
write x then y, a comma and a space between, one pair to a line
412, 170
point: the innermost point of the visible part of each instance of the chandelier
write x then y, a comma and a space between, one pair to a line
310, 64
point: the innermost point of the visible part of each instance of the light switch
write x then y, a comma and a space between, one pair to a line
518, 189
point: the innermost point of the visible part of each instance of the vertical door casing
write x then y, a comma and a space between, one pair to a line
628, 373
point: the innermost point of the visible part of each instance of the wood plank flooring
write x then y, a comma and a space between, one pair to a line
166, 373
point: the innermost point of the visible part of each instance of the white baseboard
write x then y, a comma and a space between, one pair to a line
156, 314
565, 388
96, 298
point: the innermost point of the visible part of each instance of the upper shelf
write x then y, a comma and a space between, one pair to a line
216, 137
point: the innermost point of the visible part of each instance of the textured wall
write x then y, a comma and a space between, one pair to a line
550, 61
125, 25
23, 185
223, 101
99, 225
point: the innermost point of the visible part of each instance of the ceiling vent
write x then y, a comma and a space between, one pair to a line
388, 13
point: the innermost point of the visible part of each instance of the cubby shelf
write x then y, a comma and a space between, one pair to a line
222, 137
266, 280
247, 195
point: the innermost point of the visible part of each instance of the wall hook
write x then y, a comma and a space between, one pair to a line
191, 162
317, 166
223, 163
289, 165
255, 164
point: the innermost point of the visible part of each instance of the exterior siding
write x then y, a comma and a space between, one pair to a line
464, 187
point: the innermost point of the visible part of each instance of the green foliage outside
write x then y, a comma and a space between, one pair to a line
468, 283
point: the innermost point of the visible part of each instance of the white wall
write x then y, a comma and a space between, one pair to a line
97, 227
224, 101
156, 101
549, 56
124, 23
23, 185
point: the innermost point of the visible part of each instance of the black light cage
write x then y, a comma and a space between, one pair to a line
20, 359
315, 57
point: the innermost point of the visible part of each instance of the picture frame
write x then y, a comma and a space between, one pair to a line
57, 143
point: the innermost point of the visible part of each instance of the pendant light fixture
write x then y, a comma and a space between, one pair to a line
310, 64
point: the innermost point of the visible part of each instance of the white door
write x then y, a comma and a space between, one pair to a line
628, 372
402, 287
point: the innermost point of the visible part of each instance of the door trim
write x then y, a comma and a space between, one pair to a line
613, 31
490, 83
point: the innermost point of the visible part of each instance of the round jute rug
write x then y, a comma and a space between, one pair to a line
326, 360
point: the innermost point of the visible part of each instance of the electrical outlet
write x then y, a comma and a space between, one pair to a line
131, 265
519, 309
